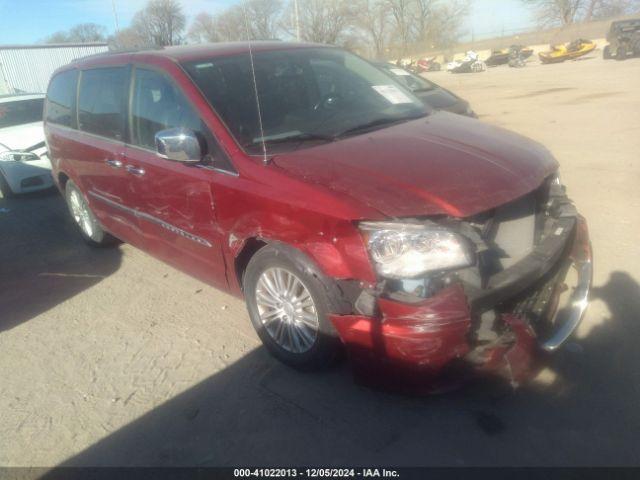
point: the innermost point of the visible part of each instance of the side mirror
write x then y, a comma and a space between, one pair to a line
178, 144
18, 156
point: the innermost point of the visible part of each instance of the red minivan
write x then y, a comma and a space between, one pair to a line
345, 212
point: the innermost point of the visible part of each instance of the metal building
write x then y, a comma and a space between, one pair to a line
27, 68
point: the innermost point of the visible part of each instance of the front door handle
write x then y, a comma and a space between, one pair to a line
113, 163
138, 171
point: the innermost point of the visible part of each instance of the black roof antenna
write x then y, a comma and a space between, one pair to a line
265, 158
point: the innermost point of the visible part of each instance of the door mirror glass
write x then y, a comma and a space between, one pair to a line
178, 144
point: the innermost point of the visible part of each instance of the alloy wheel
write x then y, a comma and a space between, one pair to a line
287, 310
81, 213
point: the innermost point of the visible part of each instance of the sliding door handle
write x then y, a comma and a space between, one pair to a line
113, 163
138, 171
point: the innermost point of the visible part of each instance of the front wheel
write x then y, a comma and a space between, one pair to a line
289, 308
87, 223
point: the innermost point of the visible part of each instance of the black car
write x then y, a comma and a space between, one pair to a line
624, 39
430, 93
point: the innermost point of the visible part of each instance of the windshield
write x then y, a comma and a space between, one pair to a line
414, 82
20, 112
306, 95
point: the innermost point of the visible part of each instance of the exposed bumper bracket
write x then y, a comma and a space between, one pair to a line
568, 319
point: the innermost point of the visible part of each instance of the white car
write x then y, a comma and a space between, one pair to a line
24, 162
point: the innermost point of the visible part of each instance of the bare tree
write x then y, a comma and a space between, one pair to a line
81, 33
203, 29
161, 22
601, 9
402, 11
554, 12
424, 11
445, 23
231, 24
322, 21
248, 20
262, 18
566, 12
374, 18
128, 39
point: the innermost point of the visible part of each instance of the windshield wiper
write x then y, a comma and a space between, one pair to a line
423, 89
378, 122
297, 138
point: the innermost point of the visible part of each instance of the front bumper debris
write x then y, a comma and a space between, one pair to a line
569, 318
423, 341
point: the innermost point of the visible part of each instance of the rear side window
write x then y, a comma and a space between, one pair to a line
61, 96
20, 112
102, 101
157, 105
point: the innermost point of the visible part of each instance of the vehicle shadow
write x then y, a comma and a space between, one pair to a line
43, 260
258, 412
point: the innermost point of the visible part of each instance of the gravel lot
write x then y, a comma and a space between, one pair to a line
109, 357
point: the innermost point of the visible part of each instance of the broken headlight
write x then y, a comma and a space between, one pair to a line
406, 250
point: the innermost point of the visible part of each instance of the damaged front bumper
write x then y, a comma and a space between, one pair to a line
529, 310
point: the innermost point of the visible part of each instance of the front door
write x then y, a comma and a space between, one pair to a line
175, 201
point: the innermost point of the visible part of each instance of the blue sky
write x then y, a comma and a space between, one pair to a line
27, 21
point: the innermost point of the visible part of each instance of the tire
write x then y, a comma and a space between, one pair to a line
277, 321
5, 189
606, 52
84, 219
621, 53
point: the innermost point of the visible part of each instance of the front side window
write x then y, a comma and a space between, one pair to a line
305, 95
61, 99
157, 105
21, 112
102, 101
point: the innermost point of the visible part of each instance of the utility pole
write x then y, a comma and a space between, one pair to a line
297, 19
115, 15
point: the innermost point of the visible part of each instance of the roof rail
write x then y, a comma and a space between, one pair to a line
117, 52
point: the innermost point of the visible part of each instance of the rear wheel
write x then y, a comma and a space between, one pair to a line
606, 52
289, 308
621, 53
5, 189
85, 220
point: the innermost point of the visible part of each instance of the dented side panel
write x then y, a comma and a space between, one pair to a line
314, 222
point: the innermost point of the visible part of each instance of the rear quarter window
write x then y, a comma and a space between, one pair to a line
102, 101
60, 103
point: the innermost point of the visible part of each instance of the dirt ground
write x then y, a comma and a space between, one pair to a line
109, 357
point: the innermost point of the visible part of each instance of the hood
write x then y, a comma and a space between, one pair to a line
440, 164
21, 136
